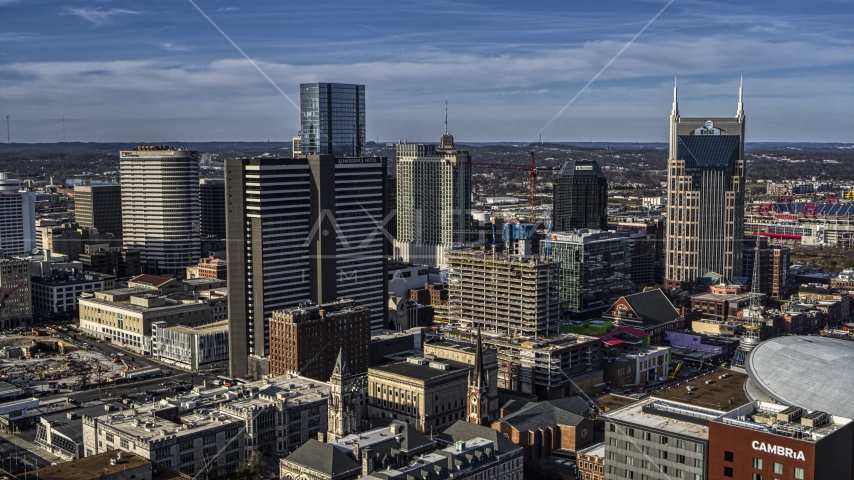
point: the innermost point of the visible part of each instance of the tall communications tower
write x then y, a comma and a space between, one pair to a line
753, 317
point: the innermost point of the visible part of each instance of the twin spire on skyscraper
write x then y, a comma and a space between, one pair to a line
738, 114
675, 112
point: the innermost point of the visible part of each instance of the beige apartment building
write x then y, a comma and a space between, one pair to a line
124, 316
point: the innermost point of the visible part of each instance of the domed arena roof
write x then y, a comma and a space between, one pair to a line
815, 373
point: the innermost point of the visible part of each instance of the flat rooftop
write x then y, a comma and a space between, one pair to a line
65, 281
721, 394
221, 326
85, 468
634, 415
612, 401
763, 417
597, 450
422, 372
151, 428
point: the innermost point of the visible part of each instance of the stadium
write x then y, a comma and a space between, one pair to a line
809, 372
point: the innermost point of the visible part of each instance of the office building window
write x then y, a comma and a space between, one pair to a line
728, 456
728, 472
757, 463
799, 473
778, 468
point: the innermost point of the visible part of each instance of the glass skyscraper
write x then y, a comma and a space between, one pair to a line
332, 119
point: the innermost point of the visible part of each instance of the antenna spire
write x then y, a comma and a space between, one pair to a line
446, 116
740, 112
675, 112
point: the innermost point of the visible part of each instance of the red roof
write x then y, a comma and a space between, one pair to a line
613, 342
635, 332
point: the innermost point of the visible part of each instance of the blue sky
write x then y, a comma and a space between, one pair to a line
123, 70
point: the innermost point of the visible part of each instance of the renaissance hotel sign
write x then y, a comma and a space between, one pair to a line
778, 450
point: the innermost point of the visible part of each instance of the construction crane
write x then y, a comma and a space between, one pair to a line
675, 371
8, 293
127, 367
533, 173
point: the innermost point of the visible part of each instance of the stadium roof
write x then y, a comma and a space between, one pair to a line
815, 373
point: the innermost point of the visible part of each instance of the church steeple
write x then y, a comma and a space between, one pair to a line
478, 362
340, 368
478, 388
341, 414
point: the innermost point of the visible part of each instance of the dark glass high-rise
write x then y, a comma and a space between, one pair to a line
332, 119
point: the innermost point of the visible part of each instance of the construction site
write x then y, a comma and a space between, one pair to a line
552, 367
49, 364
503, 293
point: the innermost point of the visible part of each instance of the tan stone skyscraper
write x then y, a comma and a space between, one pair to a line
705, 199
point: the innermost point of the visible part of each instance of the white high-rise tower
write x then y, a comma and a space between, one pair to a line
160, 207
18, 217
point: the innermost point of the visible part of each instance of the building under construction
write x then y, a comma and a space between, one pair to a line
549, 367
514, 295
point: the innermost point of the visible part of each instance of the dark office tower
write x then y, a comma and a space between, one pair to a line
332, 119
212, 207
300, 229
705, 203
580, 197
99, 206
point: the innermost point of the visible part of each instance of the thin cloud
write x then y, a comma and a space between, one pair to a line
228, 9
99, 16
170, 47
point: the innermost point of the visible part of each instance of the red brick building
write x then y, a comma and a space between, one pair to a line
307, 339
649, 311
213, 267
542, 427
431, 294
591, 463
771, 441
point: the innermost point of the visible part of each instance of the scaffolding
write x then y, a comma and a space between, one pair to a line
538, 366
503, 294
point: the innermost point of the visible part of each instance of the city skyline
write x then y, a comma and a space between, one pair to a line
122, 71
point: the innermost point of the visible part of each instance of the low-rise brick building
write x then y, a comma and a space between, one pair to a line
542, 427
591, 462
